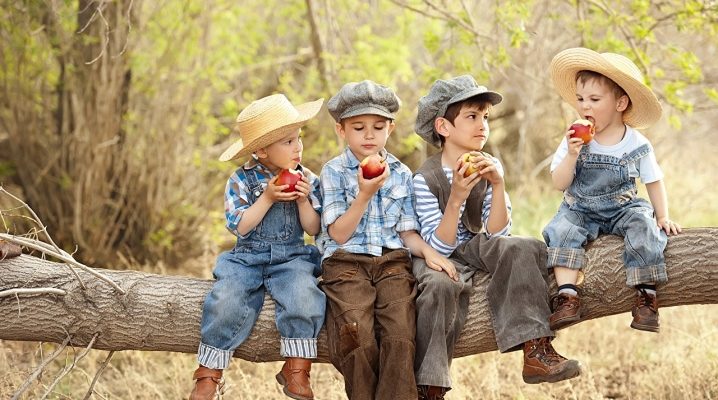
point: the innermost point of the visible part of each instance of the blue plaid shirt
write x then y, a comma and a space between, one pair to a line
236, 193
389, 212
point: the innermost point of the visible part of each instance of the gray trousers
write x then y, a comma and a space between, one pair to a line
517, 296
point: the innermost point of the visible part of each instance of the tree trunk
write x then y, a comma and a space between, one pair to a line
163, 312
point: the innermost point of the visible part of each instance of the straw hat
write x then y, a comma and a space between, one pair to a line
644, 109
267, 120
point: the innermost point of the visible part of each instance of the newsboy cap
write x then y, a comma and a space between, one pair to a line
365, 97
442, 94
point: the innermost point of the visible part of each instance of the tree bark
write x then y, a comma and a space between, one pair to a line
162, 313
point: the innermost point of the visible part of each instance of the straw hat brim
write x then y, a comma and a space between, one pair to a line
644, 109
306, 112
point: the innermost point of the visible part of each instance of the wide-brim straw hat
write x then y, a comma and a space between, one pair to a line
267, 120
644, 109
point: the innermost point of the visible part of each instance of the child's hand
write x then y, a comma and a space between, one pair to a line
274, 193
302, 190
371, 186
487, 169
437, 262
670, 227
461, 185
574, 144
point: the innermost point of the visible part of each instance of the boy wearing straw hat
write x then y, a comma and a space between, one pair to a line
467, 217
599, 182
368, 231
269, 254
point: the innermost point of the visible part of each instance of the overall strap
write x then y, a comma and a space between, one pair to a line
638, 153
255, 187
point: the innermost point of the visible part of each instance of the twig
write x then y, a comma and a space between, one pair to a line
39, 369
43, 248
31, 292
104, 364
38, 221
70, 367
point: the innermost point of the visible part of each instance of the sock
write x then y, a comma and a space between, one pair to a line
650, 288
568, 289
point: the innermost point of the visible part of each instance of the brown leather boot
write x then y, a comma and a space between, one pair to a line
645, 312
208, 385
294, 376
566, 311
427, 392
543, 364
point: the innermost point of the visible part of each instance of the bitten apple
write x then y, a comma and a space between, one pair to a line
466, 159
372, 166
289, 177
583, 129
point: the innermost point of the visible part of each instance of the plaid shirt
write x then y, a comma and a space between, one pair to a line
236, 193
389, 212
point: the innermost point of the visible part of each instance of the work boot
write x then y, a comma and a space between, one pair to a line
208, 385
427, 392
566, 310
645, 312
294, 376
543, 364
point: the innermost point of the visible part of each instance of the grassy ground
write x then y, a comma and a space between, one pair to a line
618, 363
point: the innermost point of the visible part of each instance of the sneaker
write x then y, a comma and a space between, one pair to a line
645, 312
566, 311
543, 364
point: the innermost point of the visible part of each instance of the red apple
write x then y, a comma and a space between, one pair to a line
466, 159
372, 166
583, 129
289, 177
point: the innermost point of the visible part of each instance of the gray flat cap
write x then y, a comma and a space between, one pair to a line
365, 97
442, 94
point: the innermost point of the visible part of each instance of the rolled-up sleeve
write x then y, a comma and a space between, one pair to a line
235, 203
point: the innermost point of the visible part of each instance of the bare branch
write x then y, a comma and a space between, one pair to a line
104, 365
31, 292
70, 367
40, 368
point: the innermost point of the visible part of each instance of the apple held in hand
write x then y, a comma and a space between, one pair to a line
372, 166
289, 177
583, 129
466, 159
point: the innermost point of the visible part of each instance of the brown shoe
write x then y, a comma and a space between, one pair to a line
427, 392
566, 311
294, 376
543, 364
645, 312
208, 385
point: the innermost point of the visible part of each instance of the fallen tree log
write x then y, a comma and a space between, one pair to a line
162, 313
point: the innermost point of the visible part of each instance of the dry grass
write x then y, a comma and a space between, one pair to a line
619, 363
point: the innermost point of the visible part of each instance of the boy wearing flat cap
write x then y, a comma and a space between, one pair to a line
599, 182
465, 213
368, 232
269, 222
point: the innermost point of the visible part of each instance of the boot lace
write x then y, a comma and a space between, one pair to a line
545, 352
646, 300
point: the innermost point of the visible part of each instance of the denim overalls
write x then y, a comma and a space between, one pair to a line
603, 199
274, 257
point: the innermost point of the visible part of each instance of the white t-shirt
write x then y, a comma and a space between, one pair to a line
647, 168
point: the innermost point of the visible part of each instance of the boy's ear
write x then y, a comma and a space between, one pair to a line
340, 130
261, 153
622, 103
392, 125
441, 127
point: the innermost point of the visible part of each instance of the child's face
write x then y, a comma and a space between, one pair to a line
365, 134
285, 153
470, 130
596, 102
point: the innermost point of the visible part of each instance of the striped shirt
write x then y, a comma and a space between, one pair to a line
236, 193
429, 214
390, 211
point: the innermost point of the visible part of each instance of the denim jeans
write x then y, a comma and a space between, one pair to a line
602, 199
272, 258
371, 322
517, 297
